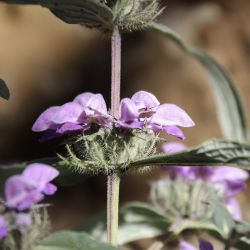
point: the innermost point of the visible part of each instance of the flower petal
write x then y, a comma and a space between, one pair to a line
128, 111
186, 246
97, 104
174, 131
232, 179
16, 190
40, 174
230, 174
29, 200
171, 115
205, 245
69, 127
69, 112
44, 121
173, 147
83, 98
145, 100
50, 189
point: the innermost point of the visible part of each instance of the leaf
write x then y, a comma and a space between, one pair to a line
137, 220
231, 113
4, 91
70, 240
210, 153
243, 243
91, 13
184, 224
67, 176
221, 218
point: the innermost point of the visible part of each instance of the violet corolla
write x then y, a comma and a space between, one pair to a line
143, 110
29, 188
203, 245
228, 181
22, 193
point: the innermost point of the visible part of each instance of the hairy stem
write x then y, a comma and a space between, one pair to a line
116, 73
113, 208
113, 182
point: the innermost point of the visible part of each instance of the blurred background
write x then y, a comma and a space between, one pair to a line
47, 62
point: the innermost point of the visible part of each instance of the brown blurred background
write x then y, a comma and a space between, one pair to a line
47, 62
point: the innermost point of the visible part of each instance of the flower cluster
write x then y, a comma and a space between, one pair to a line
228, 181
22, 192
143, 110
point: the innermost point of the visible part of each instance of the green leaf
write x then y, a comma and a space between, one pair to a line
67, 177
243, 243
91, 13
210, 153
137, 220
231, 113
70, 240
221, 218
4, 91
184, 224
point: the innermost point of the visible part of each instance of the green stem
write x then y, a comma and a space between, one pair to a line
113, 182
113, 185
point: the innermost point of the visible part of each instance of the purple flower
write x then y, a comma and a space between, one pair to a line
73, 116
229, 180
203, 245
3, 228
143, 109
25, 190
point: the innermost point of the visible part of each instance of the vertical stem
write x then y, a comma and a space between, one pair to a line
113, 208
116, 73
113, 182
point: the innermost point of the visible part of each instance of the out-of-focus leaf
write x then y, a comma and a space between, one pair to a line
90, 13
221, 218
241, 234
243, 243
4, 91
210, 153
137, 220
67, 176
71, 240
231, 113
184, 224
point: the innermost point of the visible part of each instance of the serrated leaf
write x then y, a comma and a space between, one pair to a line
231, 113
91, 13
137, 220
4, 91
71, 240
210, 153
67, 177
